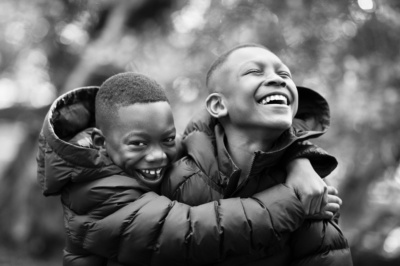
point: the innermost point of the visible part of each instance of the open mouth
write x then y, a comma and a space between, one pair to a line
151, 174
274, 99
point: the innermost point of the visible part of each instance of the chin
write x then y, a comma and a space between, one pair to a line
286, 125
281, 126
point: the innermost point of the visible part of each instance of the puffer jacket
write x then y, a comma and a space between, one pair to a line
111, 217
209, 174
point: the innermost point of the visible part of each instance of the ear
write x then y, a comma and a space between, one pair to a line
216, 105
98, 139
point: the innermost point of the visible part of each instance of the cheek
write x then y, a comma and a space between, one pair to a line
113, 154
131, 158
171, 153
124, 158
115, 158
295, 105
295, 108
239, 106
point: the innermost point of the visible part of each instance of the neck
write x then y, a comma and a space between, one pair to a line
242, 144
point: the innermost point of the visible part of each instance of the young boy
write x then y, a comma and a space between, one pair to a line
111, 183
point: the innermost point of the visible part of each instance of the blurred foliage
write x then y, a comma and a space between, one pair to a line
346, 50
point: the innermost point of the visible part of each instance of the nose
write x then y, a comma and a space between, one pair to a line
156, 154
275, 80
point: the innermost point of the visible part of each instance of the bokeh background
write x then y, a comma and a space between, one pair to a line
349, 51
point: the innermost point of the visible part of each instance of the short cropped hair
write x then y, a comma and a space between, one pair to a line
220, 61
123, 90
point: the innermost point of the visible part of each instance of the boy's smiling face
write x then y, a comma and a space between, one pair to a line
258, 89
141, 140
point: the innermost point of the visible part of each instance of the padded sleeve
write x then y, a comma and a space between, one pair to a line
154, 230
322, 162
320, 242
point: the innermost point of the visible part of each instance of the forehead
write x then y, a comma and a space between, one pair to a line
251, 54
144, 117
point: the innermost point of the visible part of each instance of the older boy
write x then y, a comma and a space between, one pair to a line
110, 185
251, 107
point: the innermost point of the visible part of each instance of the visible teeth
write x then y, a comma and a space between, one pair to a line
274, 98
152, 172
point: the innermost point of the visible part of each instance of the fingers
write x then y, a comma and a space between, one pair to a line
328, 212
320, 201
324, 198
306, 203
312, 205
316, 203
326, 215
334, 199
316, 199
332, 190
333, 203
331, 207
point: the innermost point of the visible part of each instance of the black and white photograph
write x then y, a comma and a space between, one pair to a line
199, 132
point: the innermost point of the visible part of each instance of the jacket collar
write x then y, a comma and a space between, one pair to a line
261, 159
204, 140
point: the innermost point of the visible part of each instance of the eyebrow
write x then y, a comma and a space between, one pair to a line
135, 134
140, 133
245, 64
260, 63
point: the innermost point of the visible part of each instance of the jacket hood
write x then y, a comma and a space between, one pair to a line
311, 121
313, 114
59, 160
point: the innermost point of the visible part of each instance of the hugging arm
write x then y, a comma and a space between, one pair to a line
306, 164
154, 230
326, 244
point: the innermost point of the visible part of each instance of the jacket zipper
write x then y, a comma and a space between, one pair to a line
246, 179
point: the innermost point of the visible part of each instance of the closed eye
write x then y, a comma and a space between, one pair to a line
285, 74
253, 71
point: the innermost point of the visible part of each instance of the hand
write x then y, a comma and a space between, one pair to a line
308, 185
331, 207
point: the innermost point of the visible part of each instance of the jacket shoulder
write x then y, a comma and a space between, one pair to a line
186, 182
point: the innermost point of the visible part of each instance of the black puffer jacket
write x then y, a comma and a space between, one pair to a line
208, 173
111, 217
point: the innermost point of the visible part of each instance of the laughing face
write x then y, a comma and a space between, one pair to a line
258, 90
142, 141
